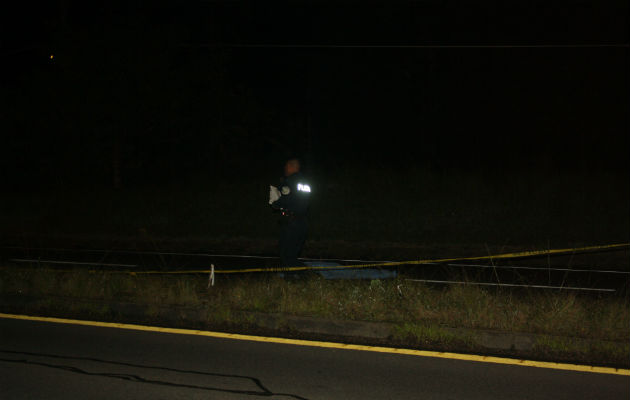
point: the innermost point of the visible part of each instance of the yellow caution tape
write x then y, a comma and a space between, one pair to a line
522, 254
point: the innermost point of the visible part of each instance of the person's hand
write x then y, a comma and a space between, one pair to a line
274, 194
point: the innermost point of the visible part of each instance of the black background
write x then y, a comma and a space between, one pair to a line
168, 87
418, 120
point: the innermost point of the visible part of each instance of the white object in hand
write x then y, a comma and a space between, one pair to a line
274, 194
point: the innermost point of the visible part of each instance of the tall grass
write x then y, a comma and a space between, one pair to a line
396, 301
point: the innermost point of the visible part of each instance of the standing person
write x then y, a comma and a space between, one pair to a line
291, 198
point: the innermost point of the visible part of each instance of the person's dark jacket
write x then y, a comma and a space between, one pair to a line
296, 193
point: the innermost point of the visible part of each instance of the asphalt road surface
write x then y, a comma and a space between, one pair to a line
43, 360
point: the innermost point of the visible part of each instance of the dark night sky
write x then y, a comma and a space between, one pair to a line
144, 82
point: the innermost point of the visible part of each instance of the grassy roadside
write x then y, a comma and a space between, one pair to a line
595, 328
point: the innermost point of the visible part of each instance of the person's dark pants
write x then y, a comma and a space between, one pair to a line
292, 236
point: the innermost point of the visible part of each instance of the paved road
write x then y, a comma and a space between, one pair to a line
57, 361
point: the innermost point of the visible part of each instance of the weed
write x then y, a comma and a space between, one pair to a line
421, 334
396, 301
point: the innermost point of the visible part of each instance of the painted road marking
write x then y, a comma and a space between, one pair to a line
332, 345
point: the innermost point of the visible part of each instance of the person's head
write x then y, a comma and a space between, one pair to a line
291, 166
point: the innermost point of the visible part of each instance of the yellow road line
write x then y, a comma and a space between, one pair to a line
332, 345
